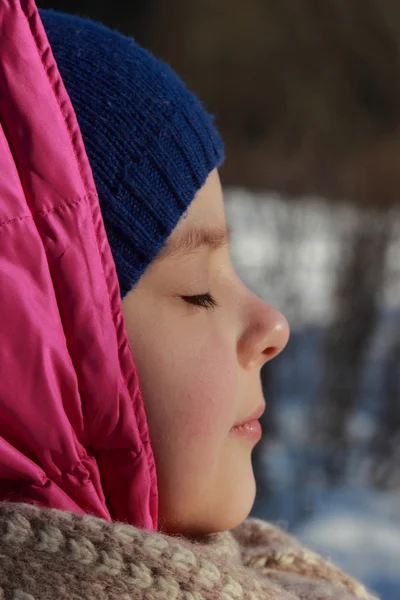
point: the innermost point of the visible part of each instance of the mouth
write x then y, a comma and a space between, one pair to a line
250, 428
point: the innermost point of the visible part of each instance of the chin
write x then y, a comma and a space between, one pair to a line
219, 503
235, 503
230, 510
237, 507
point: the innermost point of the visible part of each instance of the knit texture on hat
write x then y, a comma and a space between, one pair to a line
150, 143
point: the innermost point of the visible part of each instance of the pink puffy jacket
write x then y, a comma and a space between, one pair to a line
73, 431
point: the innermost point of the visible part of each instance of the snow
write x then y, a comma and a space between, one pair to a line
358, 531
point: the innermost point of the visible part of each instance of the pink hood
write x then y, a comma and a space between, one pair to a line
73, 431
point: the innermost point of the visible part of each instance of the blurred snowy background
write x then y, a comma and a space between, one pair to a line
307, 96
328, 467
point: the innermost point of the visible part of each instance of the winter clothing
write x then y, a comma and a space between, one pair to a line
73, 430
149, 141
56, 554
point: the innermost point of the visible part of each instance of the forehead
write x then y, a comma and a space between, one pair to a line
207, 208
204, 224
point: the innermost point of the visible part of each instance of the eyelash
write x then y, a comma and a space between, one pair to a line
202, 300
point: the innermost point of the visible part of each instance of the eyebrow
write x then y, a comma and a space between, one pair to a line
194, 238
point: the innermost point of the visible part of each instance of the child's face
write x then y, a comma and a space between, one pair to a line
199, 369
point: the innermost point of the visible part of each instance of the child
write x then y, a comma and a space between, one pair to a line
82, 515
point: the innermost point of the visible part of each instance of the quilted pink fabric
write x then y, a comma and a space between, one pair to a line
73, 431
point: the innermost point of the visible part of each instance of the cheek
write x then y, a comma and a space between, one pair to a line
207, 390
190, 389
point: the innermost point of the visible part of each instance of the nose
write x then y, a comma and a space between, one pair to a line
265, 334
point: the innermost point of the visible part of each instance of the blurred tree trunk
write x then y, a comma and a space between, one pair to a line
385, 448
347, 340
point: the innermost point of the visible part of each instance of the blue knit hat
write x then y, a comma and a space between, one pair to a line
150, 143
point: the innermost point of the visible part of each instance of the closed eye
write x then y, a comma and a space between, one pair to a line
203, 300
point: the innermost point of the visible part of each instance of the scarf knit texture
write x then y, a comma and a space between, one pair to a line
51, 554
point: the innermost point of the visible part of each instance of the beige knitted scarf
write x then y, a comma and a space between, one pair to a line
51, 554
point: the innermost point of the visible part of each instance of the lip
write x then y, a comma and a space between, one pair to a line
250, 427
